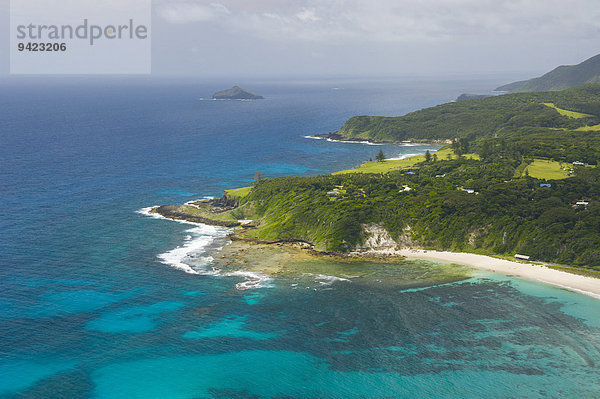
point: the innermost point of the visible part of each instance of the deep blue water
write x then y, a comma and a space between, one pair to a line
88, 310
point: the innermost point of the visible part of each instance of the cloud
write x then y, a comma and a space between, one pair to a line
307, 15
389, 21
185, 12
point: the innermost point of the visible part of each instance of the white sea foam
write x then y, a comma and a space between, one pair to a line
146, 212
253, 279
324, 279
193, 256
404, 144
191, 202
588, 293
342, 141
328, 280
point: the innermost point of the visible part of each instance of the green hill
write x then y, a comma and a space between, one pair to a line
506, 116
563, 77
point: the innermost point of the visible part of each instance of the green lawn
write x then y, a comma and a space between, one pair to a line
564, 112
549, 170
238, 192
390, 165
593, 128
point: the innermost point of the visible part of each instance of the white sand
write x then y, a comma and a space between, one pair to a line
581, 284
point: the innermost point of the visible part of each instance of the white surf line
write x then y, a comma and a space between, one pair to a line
189, 256
343, 141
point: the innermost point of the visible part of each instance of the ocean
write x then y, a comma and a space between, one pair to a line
100, 300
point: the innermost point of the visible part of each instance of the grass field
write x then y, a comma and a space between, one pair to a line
238, 192
390, 165
564, 112
593, 128
549, 170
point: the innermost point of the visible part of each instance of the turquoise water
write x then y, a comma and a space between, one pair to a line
92, 304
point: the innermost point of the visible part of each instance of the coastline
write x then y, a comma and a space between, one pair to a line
585, 285
339, 138
573, 282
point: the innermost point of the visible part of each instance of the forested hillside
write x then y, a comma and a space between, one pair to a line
506, 116
464, 205
560, 78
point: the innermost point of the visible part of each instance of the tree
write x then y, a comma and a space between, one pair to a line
258, 176
465, 146
427, 156
434, 157
380, 156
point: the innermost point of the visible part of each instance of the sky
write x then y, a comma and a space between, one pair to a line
363, 37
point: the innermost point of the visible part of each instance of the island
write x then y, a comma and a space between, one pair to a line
236, 93
516, 181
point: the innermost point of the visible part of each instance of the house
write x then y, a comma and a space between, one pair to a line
468, 190
522, 257
545, 185
406, 188
578, 163
581, 203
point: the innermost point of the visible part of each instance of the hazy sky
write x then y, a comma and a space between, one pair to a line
365, 37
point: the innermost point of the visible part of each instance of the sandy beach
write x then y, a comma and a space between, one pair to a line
584, 285
274, 259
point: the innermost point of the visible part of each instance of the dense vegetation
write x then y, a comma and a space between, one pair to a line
515, 119
479, 198
502, 216
563, 77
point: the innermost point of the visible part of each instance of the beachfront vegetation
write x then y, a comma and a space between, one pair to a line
515, 189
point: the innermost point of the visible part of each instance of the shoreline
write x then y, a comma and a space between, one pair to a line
589, 286
579, 284
339, 138
585, 285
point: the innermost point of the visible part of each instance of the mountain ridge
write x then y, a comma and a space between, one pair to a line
560, 78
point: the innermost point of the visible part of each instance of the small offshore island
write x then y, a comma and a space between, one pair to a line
516, 178
236, 93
